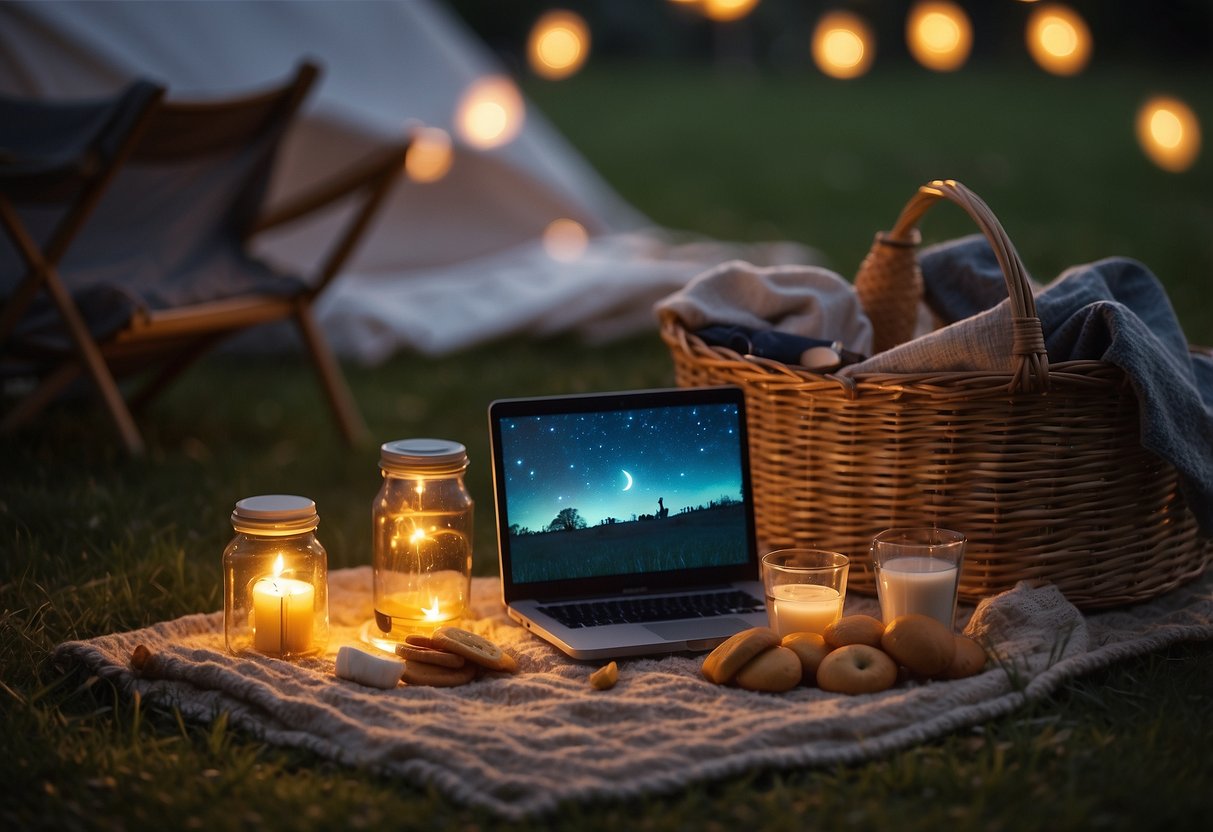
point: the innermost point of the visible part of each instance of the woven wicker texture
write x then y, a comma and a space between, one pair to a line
889, 285
1040, 467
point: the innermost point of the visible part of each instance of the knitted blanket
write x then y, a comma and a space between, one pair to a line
520, 745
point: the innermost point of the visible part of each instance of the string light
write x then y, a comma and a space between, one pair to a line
939, 35
490, 113
430, 155
843, 46
722, 11
1168, 133
565, 240
1058, 39
559, 44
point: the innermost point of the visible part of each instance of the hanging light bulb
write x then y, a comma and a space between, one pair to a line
722, 11
1168, 133
1058, 39
565, 240
559, 44
939, 35
430, 155
490, 113
843, 45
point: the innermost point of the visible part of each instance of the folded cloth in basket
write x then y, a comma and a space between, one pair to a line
802, 300
1114, 310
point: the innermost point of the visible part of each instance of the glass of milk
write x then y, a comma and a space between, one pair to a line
805, 589
917, 571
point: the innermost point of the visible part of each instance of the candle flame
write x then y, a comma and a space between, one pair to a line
279, 565
417, 536
434, 611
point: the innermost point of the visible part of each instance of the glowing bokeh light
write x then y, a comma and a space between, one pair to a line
843, 46
939, 35
565, 240
559, 44
490, 113
723, 11
430, 155
1168, 133
1059, 39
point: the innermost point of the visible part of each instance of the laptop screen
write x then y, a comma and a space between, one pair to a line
604, 492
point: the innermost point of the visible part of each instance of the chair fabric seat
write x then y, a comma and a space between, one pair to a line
160, 238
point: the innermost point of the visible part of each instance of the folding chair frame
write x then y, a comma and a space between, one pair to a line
187, 333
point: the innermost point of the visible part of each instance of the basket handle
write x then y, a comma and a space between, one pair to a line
890, 273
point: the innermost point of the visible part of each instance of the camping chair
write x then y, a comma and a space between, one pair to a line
130, 255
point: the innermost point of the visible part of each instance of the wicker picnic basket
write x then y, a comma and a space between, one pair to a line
1040, 467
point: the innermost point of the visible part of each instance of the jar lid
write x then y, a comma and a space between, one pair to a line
423, 456
275, 514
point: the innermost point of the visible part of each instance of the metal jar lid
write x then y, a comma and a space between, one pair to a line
426, 457
275, 515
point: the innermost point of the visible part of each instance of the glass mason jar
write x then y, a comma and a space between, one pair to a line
275, 579
422, 527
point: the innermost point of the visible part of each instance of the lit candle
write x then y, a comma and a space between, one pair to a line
282, 614
804, 608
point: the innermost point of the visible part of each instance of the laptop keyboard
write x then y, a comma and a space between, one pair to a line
656, 608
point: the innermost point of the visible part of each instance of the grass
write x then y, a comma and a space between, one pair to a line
92, 542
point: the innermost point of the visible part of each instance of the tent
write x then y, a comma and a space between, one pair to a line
451, 262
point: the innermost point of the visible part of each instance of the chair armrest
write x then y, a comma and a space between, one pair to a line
373, 176
370, 173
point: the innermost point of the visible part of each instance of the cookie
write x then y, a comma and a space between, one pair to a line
418, 640
435, 675
605, 677
474, 648
774, 670
722, 664
428, 655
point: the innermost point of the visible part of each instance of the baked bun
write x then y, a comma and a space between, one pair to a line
921, 643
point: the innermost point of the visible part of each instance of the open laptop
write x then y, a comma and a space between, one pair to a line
625, 520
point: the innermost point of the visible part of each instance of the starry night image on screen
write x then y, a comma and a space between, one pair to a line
620, 492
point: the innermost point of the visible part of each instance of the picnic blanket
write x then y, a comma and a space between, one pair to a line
520, 745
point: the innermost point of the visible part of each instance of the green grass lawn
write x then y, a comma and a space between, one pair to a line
92, 542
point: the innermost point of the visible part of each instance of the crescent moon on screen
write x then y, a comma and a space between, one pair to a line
629, 476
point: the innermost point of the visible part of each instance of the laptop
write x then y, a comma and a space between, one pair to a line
625, 520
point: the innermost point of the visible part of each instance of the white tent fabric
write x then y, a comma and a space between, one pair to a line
449, 263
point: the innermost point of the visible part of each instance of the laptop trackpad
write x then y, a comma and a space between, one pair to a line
697, 629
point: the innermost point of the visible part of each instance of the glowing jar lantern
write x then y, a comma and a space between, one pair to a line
275, 579
422, 527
